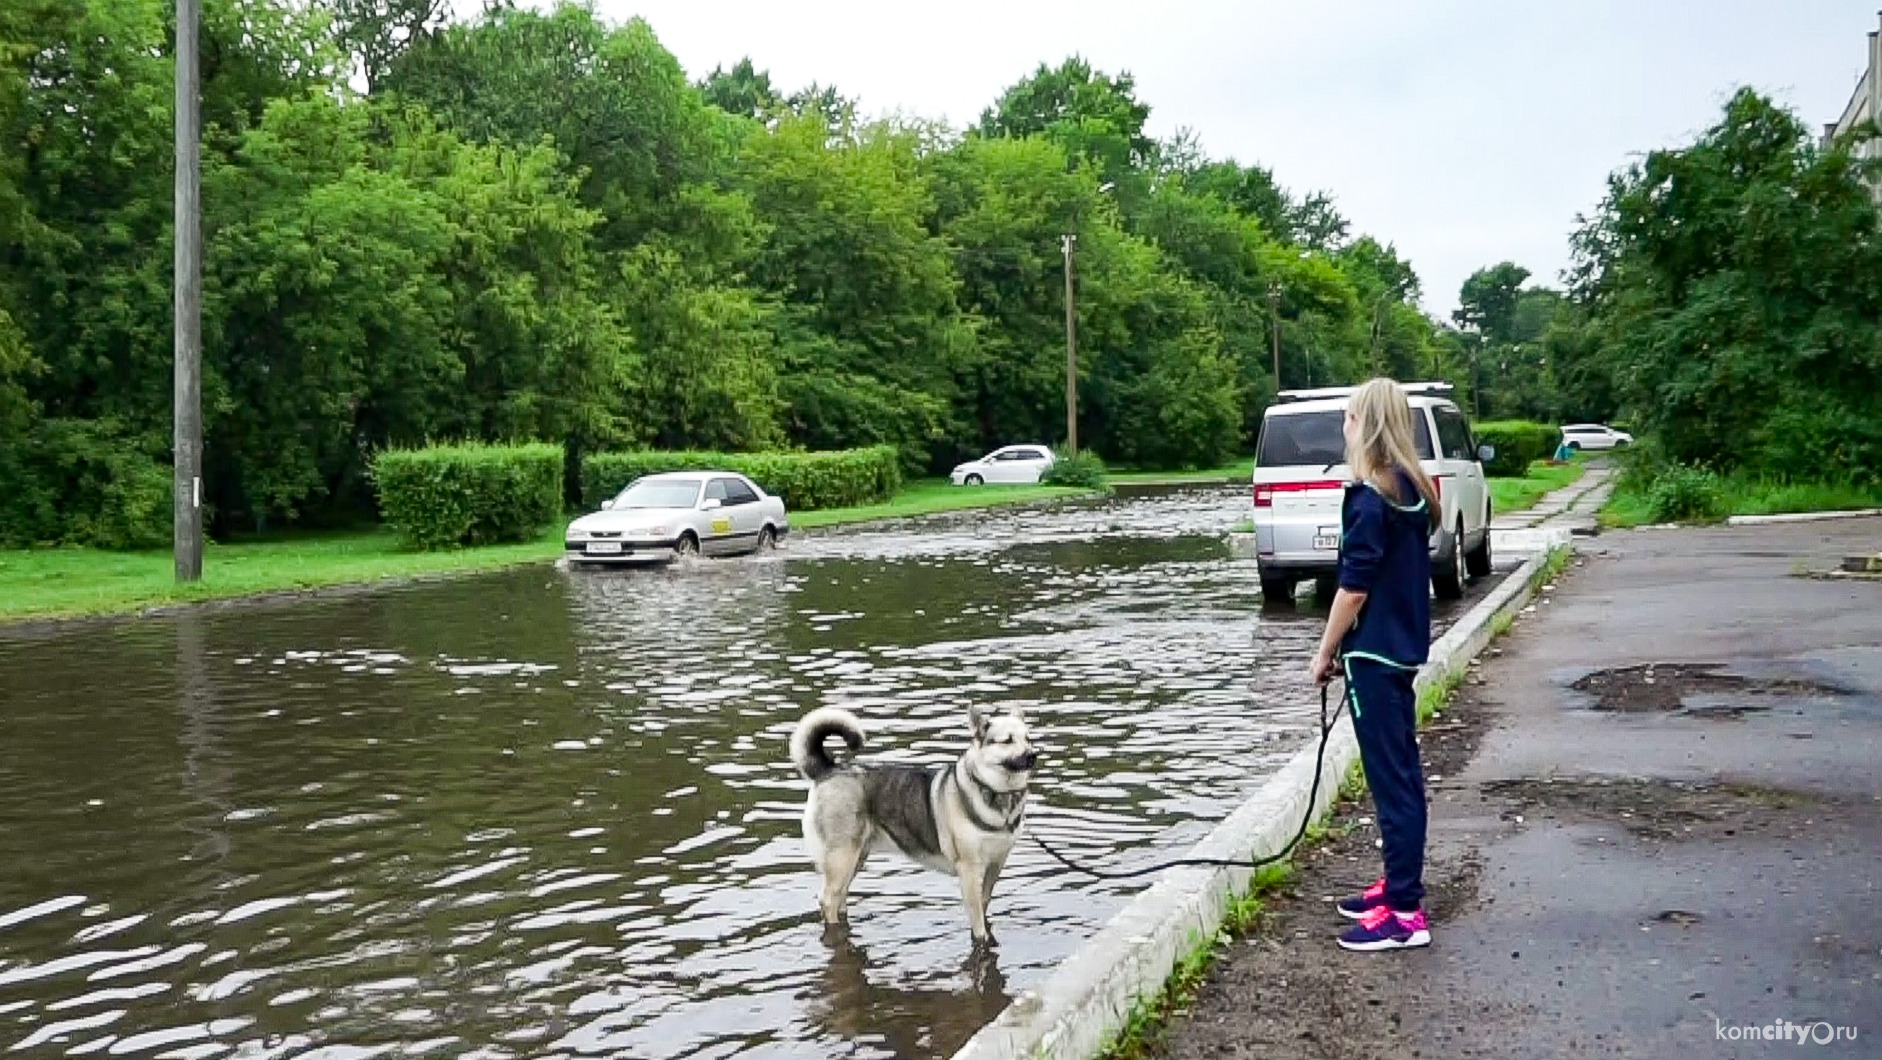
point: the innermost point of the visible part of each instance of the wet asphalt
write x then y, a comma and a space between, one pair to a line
1752, 900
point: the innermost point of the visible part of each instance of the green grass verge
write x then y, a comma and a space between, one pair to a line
79, 582
1149, 1018
71, 582
1519, 494
1240, 471
1630, 505
932, 497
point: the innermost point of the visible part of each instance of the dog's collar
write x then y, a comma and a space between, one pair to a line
1010, 805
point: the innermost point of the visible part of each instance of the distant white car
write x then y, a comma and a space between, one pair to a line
688, 513
1013, 464
1593, 436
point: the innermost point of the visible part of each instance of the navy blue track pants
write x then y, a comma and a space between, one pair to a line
1385, 718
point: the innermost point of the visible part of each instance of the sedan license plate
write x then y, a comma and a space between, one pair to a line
603, 548
1326, 542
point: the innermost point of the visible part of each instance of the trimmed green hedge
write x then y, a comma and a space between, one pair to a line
449, 495
843, 478
1519, 443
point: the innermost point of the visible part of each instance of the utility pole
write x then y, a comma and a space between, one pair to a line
187, 519
1274, 329
1071, 351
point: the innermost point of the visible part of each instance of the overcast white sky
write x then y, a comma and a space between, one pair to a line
1465, 132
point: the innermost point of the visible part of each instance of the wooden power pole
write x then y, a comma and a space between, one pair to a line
188, 507
1071, 351
1274, 329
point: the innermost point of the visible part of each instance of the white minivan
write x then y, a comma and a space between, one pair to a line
1301, 473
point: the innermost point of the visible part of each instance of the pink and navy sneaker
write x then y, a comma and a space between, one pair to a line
1383, 929
1356, 907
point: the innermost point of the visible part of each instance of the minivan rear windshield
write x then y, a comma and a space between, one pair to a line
1315, 438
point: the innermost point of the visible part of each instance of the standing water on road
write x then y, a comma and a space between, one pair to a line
550, 813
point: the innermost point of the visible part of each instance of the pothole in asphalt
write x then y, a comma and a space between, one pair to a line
1655, 809
1652, 687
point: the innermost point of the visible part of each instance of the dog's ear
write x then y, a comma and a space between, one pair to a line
977, 720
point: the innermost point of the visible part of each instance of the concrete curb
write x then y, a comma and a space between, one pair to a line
1800, 517
1089, 996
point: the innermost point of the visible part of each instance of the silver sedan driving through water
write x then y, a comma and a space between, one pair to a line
715, 513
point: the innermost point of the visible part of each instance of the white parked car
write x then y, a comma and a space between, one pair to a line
1013, 464
1301, 473
1592, 436
680, 514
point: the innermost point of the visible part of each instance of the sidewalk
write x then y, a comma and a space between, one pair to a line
1573, 507
1642, 867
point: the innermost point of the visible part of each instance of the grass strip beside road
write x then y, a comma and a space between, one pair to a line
932, 497
1520, 494
79, 582
1240, 472
1630, 504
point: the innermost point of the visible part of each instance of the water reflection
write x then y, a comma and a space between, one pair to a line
551, 814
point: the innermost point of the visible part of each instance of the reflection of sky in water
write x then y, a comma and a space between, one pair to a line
550, 814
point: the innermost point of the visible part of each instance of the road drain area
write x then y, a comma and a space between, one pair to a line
1693, 688
1660, 810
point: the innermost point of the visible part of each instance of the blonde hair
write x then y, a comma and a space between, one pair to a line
1384, 444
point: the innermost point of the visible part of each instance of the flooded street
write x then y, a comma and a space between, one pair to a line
548, 813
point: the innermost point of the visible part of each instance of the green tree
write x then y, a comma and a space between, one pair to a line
1736, 284
1092, 114
873, 340
1487, 301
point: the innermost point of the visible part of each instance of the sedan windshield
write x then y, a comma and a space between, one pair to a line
658, 495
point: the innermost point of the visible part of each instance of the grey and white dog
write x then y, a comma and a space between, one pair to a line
961, 819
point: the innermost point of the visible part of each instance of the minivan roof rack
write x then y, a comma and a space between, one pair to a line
1435, 389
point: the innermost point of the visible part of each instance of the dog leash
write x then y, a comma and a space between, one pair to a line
1313, 796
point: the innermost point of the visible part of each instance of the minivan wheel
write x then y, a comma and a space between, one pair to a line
1477, 560
1447, 576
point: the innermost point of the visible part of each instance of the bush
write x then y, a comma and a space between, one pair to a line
450, 495
86, 482
1681, 492
1519, 443
1084, 469
843, 478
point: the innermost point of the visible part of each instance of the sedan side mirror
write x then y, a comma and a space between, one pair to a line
609, 503
1486, 453
711, 504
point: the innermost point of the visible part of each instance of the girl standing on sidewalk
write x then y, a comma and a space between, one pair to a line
1379, 631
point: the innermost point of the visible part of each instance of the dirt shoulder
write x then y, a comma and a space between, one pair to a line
1638, 880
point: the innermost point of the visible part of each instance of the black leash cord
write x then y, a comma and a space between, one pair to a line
1313, 796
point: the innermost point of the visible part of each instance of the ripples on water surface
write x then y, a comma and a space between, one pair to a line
550, 814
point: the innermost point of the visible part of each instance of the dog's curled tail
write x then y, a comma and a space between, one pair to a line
807, 751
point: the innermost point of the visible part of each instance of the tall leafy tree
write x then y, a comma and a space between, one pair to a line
1737, 287
1092, 114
